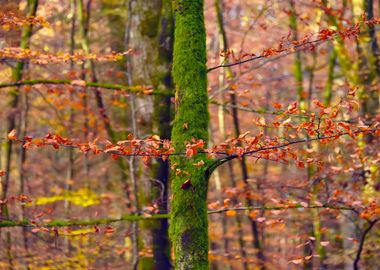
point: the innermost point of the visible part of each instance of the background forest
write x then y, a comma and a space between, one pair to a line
290, 149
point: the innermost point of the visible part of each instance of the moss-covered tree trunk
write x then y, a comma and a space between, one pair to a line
189, 224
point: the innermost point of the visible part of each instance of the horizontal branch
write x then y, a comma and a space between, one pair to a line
103, 221
269, 112
286, 207
110, 86
66, 223
288, 50
227, 158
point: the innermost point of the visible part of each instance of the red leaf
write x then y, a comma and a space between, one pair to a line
292, 108
318, 104
109, 230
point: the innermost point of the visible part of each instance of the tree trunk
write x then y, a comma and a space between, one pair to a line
161, 124
189, 224
298, 75
17, 73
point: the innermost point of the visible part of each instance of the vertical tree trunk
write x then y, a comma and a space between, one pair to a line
83, 35
161, 124
17, 73
151, 32
224, 45
372, 33
189, 223
327, 94
117, 29
297, 69
243, 164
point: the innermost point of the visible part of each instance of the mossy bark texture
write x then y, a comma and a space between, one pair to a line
189, 225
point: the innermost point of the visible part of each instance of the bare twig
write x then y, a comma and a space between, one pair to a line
361, 243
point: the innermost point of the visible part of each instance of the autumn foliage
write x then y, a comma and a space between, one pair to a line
291, 167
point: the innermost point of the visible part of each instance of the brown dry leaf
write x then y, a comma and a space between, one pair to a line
325, 243
81, 83
297, 261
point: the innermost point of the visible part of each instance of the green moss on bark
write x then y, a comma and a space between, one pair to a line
189, 225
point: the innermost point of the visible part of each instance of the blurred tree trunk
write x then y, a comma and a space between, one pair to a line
297, 68
243, 164
151, 37
162, 117
189, 222
372, 34
17, 74
14, 94
115, 12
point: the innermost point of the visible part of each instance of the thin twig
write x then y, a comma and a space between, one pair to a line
361, 243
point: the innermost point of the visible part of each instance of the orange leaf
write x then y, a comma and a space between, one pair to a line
109, 230
318, 104
231, 213
300, 164
81, 83
297, 261
292, 108
253, 214
12, 135
189, 152
276, 105
199, 164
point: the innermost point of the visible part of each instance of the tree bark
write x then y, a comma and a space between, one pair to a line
243, 164
162, 117
17, 74
189, 224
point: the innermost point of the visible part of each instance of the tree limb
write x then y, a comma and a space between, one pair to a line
361, 243
103, 221
109, 86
